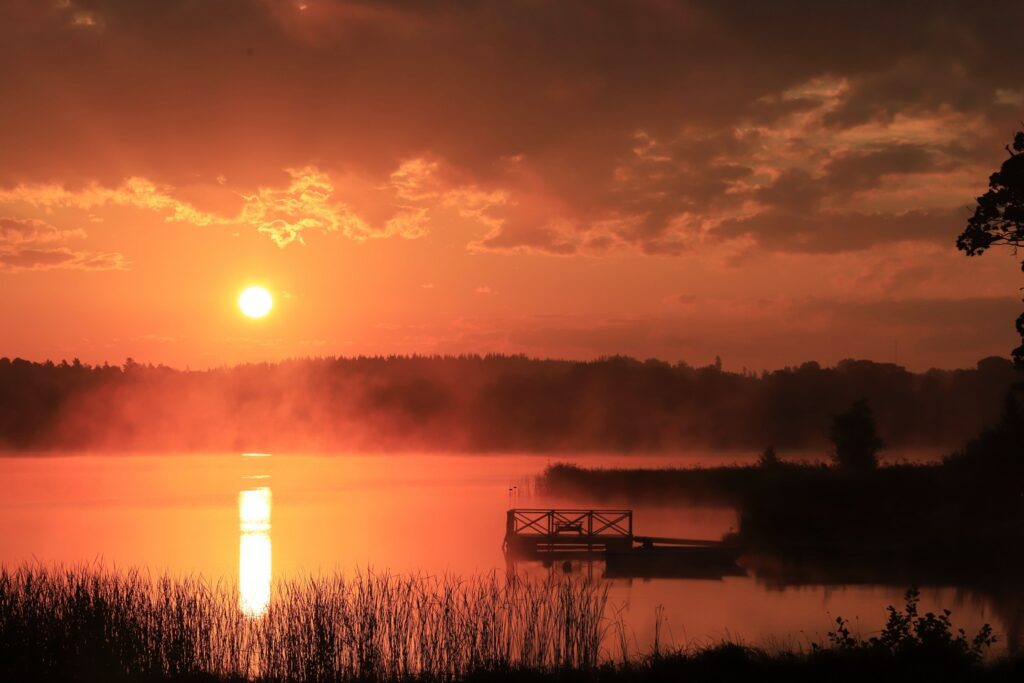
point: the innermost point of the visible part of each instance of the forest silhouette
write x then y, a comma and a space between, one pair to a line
485, 403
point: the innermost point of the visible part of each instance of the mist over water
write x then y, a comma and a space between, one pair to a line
257, 518
483, 403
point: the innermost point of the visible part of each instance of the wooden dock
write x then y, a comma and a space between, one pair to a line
557, 533
534, 531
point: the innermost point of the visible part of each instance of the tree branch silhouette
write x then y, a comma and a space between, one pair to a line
999, 219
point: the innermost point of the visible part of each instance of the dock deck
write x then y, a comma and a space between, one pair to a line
563, 532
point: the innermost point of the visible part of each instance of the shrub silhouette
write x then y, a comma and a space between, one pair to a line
855, 439
907, 631
999, 448
769, 458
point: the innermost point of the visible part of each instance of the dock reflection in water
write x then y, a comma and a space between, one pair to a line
254, 549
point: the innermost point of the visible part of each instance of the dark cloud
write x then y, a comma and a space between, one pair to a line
796, 190
820, 211
32, 244
626, 119
59, 257
865, 169
823, 231
35, 259
32, 231
922, 81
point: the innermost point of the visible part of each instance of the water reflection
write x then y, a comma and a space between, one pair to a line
254, 560
71, 509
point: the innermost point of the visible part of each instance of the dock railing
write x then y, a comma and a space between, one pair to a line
542, 530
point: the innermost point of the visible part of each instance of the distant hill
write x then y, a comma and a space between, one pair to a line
483, 403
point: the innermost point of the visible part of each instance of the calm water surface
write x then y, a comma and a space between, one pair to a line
255, 517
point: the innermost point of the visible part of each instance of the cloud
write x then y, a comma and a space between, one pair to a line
837, 231
409, 223
134, 192
306, 203
416, 180
32, 244
549, 126
60, 257
866, 168
87, 20
15, 231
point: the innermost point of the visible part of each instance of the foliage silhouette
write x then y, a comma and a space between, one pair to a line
855, 439
999, 218
769, 458
999, 448
907, 630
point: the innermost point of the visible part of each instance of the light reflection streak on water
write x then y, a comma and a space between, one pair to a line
254, 556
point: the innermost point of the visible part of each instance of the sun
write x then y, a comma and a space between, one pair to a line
255, 302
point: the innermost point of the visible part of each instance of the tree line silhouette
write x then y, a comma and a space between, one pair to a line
492, 402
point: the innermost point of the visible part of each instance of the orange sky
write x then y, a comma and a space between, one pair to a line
680, 180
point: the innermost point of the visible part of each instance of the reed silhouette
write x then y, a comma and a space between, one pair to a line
90, 624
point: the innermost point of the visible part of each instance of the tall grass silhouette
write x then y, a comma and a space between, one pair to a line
95, 623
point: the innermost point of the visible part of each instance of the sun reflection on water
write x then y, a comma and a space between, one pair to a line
254, 562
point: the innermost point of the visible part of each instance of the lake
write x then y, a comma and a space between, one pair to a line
254, 517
